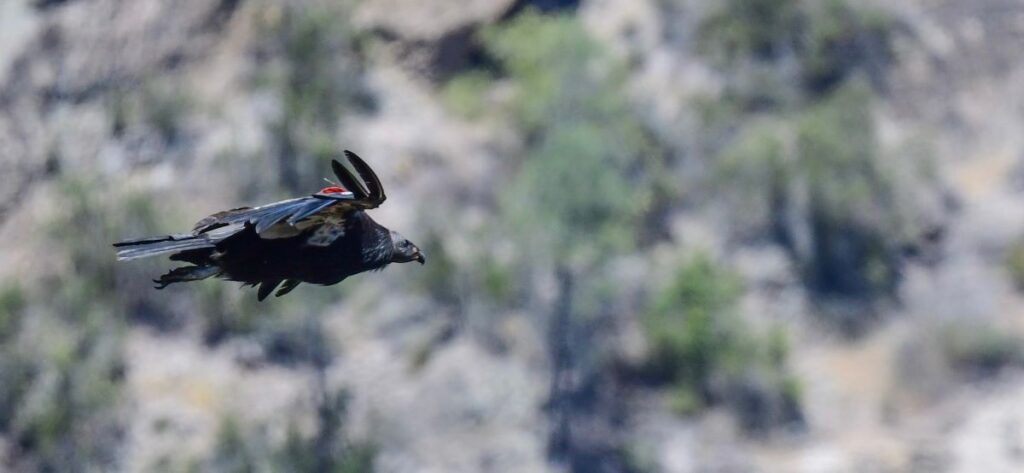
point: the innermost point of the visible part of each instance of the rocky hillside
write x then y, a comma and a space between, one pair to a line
662, 235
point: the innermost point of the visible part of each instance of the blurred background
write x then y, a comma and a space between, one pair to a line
662, 235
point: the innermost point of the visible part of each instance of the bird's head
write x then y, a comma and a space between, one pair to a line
403, 251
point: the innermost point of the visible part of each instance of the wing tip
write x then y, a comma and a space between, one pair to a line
349, 180
373, 188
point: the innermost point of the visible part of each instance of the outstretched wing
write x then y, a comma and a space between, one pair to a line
289, 212
328, 208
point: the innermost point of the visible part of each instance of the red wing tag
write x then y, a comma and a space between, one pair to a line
333, 190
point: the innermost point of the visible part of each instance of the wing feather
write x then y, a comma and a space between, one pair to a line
290, 212
311, 208
348, 180
292, 216
373, 185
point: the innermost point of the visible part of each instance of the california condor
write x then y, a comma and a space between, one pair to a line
321, 239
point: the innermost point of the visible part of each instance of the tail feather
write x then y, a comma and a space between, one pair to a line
145, 247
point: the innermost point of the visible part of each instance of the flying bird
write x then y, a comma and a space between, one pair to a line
321, 239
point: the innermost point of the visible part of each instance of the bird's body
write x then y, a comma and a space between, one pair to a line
248, 258
320, 239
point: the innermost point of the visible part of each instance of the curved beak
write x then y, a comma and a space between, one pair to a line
420, 257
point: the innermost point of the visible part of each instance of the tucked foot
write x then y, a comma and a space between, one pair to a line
185, 274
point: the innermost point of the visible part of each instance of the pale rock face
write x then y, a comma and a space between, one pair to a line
406, 19
18, 24
471, 407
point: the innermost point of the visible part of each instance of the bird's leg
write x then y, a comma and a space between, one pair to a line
186, 273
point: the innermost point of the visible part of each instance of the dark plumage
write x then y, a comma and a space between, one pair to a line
319, 239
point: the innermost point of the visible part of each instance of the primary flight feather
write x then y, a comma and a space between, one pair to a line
322, 239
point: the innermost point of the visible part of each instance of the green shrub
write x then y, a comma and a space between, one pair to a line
164, 107
556, 68
64, 413
584, 145
91, 218
844, 39
61, 375
700, 347
942, 355
819, 187
12, 302
576, 183
759, 168
1015, 264
318, 81
979, 349
17, 373
689, 326
295, 339
440, 278
466, 93
242, 448
288, 330
752, 28
855, 222
585, 156
574, 200
831, 40
235, 452
18, 370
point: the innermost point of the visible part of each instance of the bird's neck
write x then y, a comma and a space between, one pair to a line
377, 247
